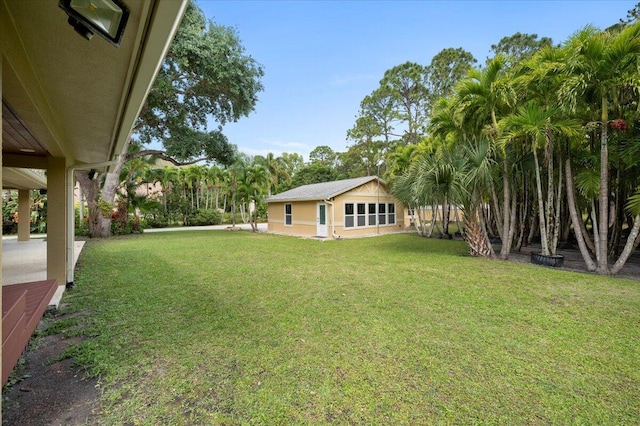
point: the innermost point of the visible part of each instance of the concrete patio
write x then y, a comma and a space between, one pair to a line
26, 261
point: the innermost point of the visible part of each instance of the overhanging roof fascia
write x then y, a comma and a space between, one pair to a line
285, 200
19, 178
329, 196
155, 37
354, 186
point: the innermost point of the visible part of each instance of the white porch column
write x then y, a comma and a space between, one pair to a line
24, 215
57, 219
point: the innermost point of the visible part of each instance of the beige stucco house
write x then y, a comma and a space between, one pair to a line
341, 209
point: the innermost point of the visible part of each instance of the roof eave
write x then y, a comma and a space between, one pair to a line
156, 39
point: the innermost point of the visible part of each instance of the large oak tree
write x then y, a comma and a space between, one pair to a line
206, 81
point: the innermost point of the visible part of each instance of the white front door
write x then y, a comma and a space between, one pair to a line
321, 220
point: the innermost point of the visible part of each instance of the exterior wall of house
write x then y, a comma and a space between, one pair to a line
369, 197
303, 218
304, 214
427, 214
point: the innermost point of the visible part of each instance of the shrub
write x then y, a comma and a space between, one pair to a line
126, 228
204, 217
155, 222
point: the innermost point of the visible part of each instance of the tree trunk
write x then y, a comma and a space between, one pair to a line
616, 219
596, 232
522, 214
506, 225
497, 213
587, 238
80, 204
549, 213
445, 219
91, 189
629, 247
577, 221
557, 211
109, 189
458, 224
603, 260
533, 228
544, 240
512, 224
416, 222
432, 224
483, 227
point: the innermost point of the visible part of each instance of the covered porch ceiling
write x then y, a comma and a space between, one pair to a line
64, 96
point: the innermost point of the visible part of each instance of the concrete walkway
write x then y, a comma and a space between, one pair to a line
244, 226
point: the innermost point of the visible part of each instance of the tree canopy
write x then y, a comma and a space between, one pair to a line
206, 81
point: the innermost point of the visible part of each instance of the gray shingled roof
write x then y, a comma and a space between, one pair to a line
321, 191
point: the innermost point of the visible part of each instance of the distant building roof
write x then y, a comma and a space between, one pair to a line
321, 191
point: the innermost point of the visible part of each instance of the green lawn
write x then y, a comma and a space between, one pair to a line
241, 328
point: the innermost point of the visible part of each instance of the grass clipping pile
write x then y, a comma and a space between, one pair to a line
46, 387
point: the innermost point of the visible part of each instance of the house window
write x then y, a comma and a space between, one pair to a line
382, 214
348, 215
288, 216
392, 214
362, 217
372, 214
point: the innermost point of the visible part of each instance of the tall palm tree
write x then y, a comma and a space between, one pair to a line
483, 97
212, 178
257, 183
539, 125
193, 180
234, 178
478, 179
399, 160
598, 66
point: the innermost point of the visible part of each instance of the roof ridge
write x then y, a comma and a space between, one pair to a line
322, 190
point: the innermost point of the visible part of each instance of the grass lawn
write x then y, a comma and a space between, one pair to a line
240, 328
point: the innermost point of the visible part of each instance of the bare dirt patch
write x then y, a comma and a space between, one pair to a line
50, 392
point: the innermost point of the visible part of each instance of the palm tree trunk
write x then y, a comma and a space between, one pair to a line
455, 209
541, 216
497, 213
504, 250
523, 214
416, 222
445, 219
512, 224
577, 221
556, 223
632, 243
483, 227
434, 215
587, 239
603, 200
549, 213
596, 233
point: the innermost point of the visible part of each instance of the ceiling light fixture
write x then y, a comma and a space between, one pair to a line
107, 18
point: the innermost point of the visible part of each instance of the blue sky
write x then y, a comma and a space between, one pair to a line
321, 58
